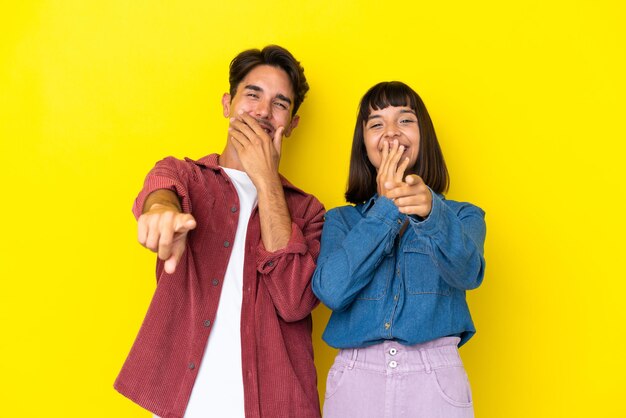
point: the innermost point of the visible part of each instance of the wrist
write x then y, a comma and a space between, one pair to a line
167, 199
164, 206
268, 184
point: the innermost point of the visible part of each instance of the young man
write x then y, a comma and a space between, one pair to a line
228, 331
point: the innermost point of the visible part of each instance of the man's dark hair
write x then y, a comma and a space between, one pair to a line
430, 165
275, 56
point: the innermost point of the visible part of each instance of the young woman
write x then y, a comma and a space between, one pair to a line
394, 269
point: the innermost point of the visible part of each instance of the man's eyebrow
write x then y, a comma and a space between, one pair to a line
253, 87
283, 98
279, 96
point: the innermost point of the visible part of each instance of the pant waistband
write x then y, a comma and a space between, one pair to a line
391, 356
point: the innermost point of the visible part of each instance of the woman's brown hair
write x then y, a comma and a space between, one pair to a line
430, 164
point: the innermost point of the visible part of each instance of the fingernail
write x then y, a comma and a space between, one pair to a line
240, 112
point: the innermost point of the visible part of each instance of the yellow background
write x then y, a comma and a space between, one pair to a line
528, 101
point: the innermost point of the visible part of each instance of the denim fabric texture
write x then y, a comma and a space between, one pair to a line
411, 288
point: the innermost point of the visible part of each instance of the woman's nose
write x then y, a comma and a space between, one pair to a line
391, 132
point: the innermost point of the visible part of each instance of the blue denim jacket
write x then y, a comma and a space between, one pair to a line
411, 289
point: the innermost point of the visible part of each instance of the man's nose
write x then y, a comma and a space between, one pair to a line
263, 109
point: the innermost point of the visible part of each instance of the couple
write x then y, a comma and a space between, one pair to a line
241, 266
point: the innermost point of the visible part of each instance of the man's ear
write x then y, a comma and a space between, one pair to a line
226, 104
292, 125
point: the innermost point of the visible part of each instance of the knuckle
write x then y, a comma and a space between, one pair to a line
151, 246
165, 241
165, 250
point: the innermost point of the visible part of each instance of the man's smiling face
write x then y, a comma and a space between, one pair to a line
267, 95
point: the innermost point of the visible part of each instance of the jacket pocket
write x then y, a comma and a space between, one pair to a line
421, 275
377, 288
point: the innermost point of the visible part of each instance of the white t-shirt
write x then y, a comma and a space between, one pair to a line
218, 390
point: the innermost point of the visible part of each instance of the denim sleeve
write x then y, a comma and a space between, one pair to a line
456, 239
351, 249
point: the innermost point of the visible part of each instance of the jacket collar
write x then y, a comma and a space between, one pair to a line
211, 162
367, 205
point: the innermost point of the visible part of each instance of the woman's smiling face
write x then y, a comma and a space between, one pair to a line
389, 124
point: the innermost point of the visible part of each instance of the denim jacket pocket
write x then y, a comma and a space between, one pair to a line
377, 288
421, 275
